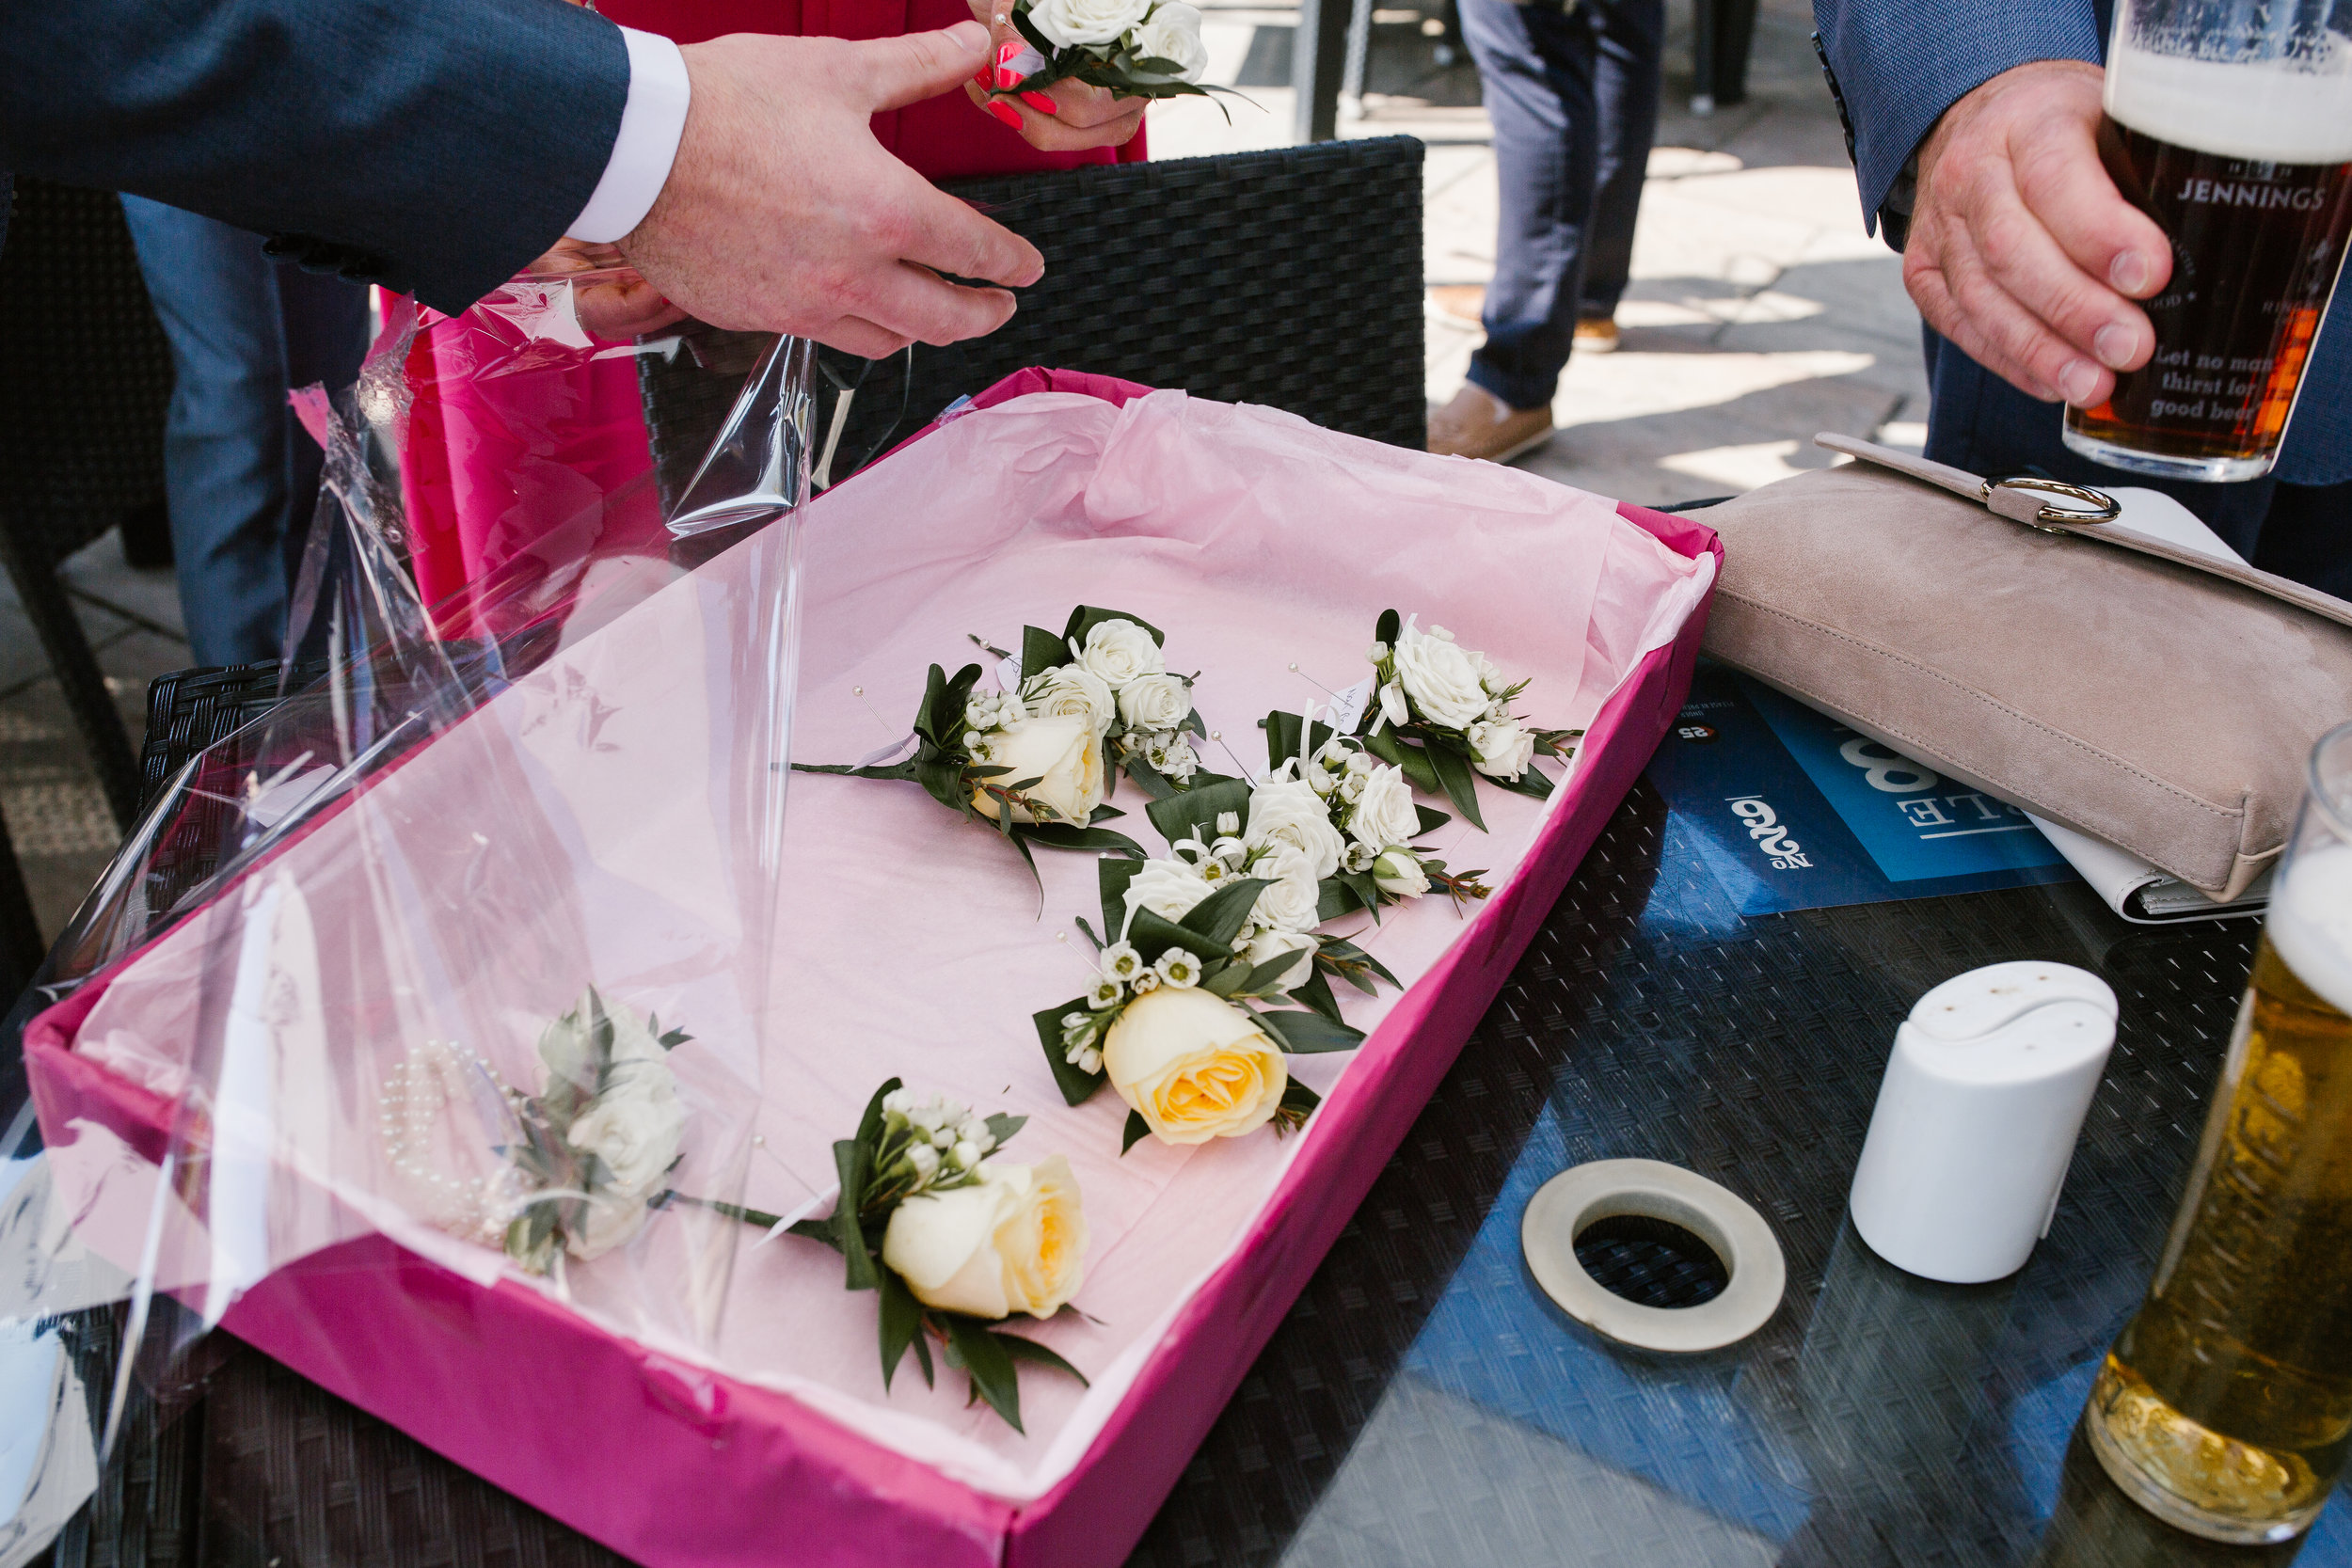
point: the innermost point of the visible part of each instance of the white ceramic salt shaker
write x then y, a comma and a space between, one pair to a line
1976, 1118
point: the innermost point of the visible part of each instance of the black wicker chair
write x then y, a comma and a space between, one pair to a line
1289, 278
85, 375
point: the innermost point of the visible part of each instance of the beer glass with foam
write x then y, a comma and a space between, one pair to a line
2230, 123
2226, 1407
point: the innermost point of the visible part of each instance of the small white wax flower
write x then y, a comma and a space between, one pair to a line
1120, 962
1090, 1060
965, 1154
1105, 993
1377, 652
1146, 981
943, 1138
1228, 824
924, 1159
1322, 782
1178, 968
896, 1102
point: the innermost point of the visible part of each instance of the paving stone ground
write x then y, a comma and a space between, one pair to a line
1759, 314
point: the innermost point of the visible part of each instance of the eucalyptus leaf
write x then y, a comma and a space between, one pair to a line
1003, 1127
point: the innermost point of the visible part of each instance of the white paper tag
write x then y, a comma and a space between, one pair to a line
1348, 706
1009, 673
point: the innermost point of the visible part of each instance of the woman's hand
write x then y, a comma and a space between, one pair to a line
1069, 116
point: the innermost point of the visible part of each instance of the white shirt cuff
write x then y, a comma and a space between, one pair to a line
651, 123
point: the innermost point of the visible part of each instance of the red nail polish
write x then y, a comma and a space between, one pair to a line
1004, 112
1039, 102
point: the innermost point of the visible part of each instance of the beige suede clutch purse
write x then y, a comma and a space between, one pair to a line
2101, 677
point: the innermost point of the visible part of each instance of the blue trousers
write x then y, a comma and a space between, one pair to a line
1573, 96
1980, 422
242, 477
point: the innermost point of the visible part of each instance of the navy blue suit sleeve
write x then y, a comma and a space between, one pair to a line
1901, 64
428, 144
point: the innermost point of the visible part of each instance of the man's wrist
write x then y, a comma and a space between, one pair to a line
652, 122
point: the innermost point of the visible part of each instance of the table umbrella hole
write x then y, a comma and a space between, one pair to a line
1651, 1261
1653, 1255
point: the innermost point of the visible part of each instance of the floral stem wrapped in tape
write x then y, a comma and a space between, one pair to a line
1370, 804
1443, 714
1189, 945
952, 1239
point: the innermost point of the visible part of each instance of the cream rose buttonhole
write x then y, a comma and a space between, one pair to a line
1015, 1242
1194, 1067
1064, 755
1172, 33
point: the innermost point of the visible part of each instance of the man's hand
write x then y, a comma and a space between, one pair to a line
783, 213
2022, 251
1068, 117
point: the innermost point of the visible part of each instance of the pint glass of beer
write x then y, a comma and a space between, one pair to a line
2231, 124
2226, 1407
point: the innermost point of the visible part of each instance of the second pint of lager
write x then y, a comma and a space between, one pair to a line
2226, 1407
2231, 127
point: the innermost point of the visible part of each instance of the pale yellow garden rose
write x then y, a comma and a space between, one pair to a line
1014, 1241
1063, 754
1194, 1065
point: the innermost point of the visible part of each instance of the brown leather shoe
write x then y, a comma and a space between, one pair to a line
1479, 424
1596, 335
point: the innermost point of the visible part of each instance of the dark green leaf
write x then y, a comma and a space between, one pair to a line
1029, 1350
1113, 876
1346, 952
1386, 628
923, 1360
990, 1365
1021, 841
1335, 897
1153, 935
1430, 819
1418, 770
1155, 783
1281, 737
1040, 651
1106, 813
1219, 917
927, 711
1366, 888
1061, 835
1531, 784
1459, 782
1298, 1101
1226, 979
1260, 981
1308, 1033
870, 1124
1077, 1086
1098, 942
1137, 1128
941, 777
852, 1159
901, 1323
1193, 812
1315, 992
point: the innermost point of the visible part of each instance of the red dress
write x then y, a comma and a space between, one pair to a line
503, 468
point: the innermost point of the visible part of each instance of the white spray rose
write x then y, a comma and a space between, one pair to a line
1385, 813
1118, 649
634, 1126
1500, 748
1440, 678
1154, 702
1063, 754
1013, 1242
1168, 889
1289, 901
1069, 691
1293, 814
1194, 1065
1266, 946
1398, 873
1172, 33
1069, 21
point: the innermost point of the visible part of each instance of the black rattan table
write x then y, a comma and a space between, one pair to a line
1425, 1404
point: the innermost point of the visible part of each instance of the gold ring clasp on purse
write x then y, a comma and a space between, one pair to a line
2103, 507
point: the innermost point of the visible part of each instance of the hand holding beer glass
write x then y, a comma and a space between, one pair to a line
2229, 123
2226, 1407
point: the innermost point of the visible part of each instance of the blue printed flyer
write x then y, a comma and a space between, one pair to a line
1792, 810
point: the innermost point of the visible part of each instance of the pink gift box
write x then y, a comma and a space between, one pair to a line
672, 1460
